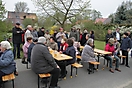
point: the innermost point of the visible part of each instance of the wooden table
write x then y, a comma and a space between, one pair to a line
59, 56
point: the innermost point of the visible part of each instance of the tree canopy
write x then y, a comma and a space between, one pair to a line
2, 10
21, 7
63, 10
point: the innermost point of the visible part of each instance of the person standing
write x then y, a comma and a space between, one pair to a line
43, 62
108, 36
92, 34
117, 35
41, 32
84, 40
125, 48
28, 33
17, 39
74, 33
60, 35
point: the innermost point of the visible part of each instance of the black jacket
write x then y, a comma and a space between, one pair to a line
108, 36
17, 35
114, 35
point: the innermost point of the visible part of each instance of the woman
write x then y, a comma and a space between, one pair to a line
70, 51
92, 34
110, 48
63, 45
7, 64
88, 53
52, 44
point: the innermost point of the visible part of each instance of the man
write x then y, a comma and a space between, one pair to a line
108, 36
74, 33
28, 32
60, 35
43, 62
17, 39
125, 47
129, 34
117, 35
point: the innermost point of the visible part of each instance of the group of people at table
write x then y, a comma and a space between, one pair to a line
38, 53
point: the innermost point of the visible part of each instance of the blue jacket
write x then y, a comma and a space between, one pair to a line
7, 64
126, 43
70, 51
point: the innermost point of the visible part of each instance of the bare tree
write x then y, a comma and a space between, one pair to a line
21, 7
62, 10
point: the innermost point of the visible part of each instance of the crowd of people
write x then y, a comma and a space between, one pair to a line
36, 45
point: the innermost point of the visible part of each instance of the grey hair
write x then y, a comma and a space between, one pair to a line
90, 41
42, 40
73, 38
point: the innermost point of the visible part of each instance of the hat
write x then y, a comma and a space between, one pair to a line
42, 40
17, 23
111, 40
126, 34
6, 45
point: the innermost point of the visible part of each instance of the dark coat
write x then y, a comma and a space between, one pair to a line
83, 40
70, 51
108, 36
125, 43
41, 59
74, 34
29, 51
41, 33
17, 35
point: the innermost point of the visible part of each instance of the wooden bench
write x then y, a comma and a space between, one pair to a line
43, 76
78, 58
93, 63
75, 65
8, 78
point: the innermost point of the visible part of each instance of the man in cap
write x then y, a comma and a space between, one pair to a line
43, 62
17, 39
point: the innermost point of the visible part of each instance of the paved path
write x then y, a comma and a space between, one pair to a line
100, 79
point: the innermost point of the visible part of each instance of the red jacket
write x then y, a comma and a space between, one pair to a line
109, 48
63, 47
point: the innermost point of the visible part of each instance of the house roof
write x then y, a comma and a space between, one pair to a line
103, 20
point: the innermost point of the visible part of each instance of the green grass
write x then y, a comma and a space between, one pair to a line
99, 44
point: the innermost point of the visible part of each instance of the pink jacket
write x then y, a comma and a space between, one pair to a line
109, 48
25, 48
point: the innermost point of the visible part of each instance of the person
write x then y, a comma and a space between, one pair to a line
52, 44
92, 34
30, 49
7, 64
43, 62
70, 51
74, 33
129, 34
66, 34
117, 47
125, 48
117, 35
41, 32
63, 45
17, 39
108, 36
54, 35
110, 48
47, 36
84, 40
28, 33
88, 53
59, 37
25, 49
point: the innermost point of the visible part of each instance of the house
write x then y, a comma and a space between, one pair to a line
15, 17
103, 20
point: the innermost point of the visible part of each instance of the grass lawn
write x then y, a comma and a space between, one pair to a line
99, 44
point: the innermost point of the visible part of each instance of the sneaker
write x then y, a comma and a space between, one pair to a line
16, 73
111, 71
24, 62
118, 70
55, 87
127, 66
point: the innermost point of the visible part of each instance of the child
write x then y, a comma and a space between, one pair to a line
25, 49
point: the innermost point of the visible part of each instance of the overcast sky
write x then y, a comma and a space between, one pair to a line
106, 7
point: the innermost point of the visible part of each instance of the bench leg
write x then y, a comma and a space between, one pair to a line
27, 65
76, 71
13, 83
38, 81
98, 61
71, 71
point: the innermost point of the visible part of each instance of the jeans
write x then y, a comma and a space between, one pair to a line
111, 59
16, 47
55, 75
59, 43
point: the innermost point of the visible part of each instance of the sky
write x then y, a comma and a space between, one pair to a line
106, 7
